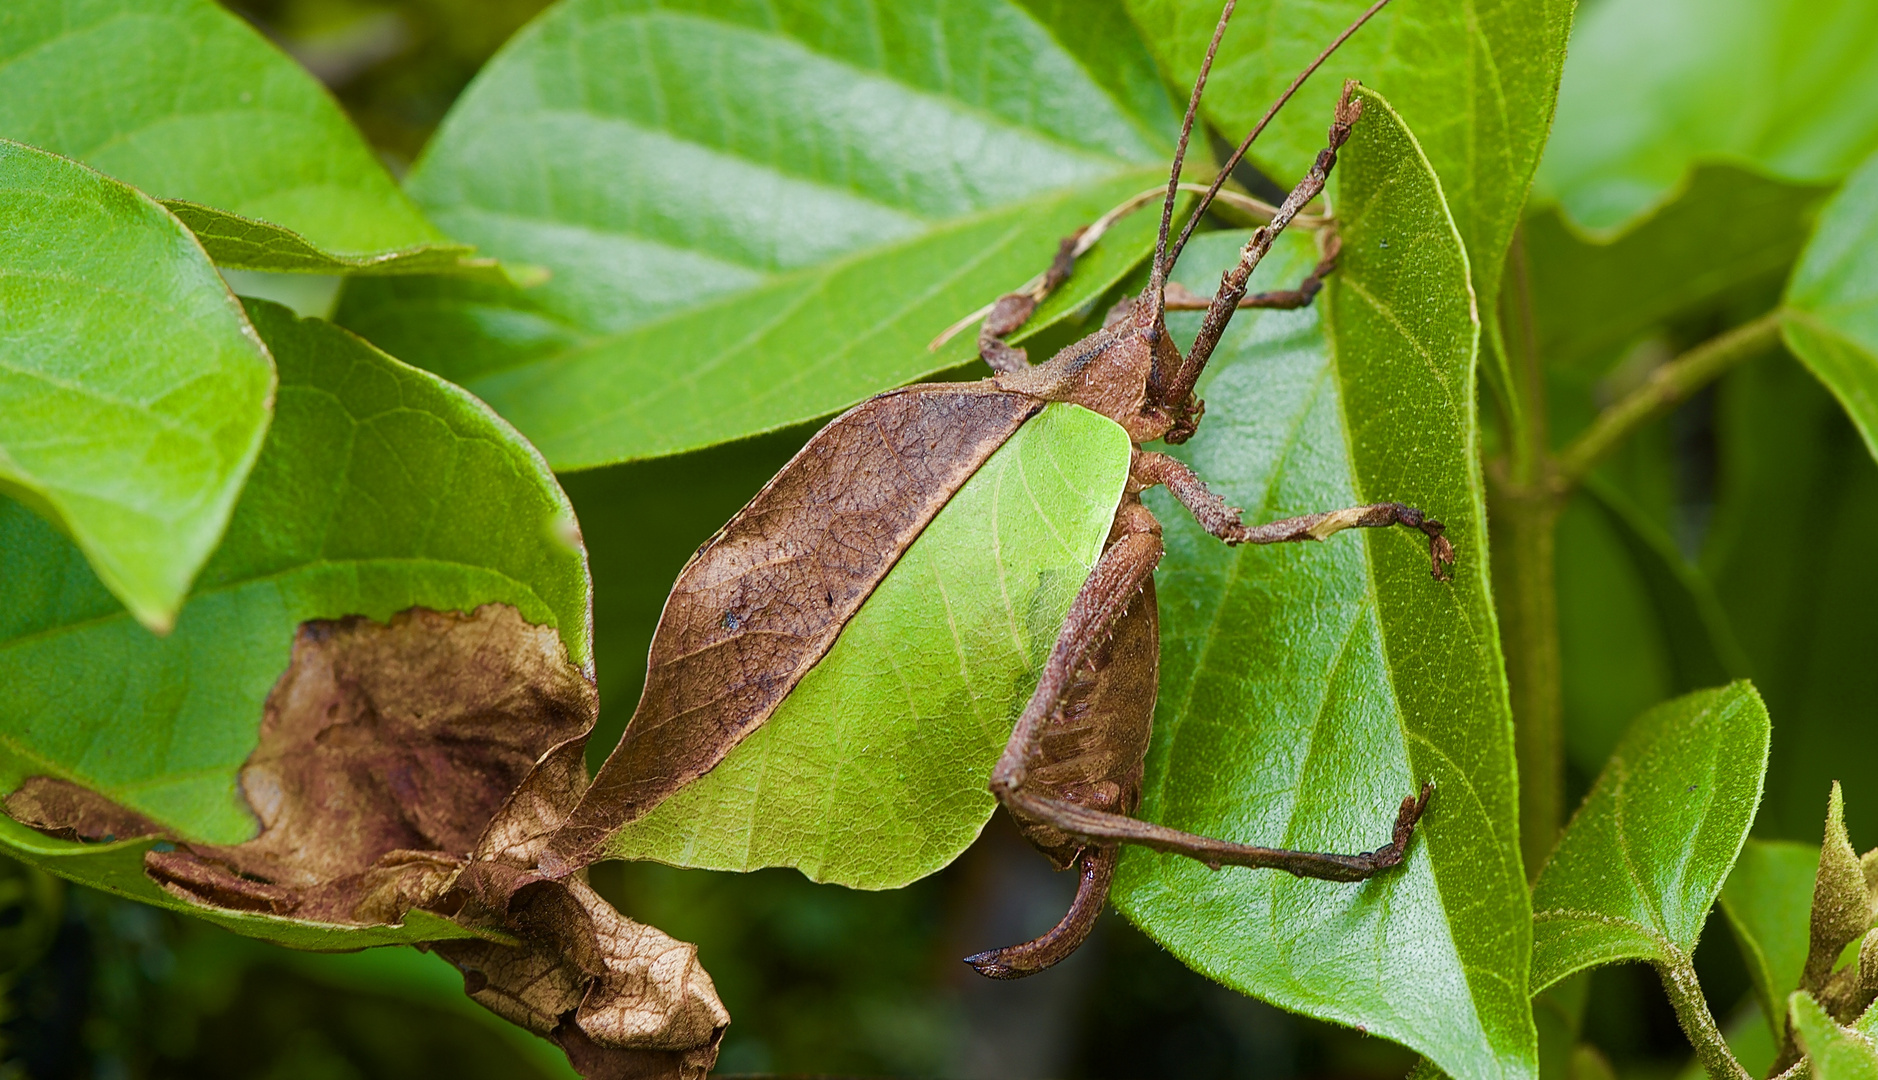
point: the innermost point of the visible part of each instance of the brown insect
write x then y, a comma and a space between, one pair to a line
764, 599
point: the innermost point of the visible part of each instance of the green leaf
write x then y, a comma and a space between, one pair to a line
1832, 300
1655, 87
1837, 1053
1729, 234
758, 214
1768, 899
1799, 598
240, 243
1670, 811
900, 723
133, 393
1475, 80
186, 101
1305, 690
380, 487
1637, 623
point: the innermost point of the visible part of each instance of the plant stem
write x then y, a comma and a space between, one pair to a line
1524, 527
1666, 387
1525, 513
1685, 994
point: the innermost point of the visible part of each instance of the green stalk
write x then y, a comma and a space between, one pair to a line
1524, 519
1666, 388
1525, 526
1692, 1012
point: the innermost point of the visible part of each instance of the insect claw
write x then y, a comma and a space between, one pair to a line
987, 964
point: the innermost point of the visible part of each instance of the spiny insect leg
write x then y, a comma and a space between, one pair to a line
1012, 310
1096, 869
1097, 826
1181, 298
1223, 521
1126, 565
1232, 284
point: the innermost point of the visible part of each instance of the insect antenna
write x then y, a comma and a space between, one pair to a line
1161, 271
1162, 265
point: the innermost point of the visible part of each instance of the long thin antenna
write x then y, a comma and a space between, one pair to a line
1233, 162
1158, 276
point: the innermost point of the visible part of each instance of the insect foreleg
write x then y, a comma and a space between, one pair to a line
1223, 521
1012, 310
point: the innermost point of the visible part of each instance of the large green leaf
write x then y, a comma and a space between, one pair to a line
185, 101
757, 214
1669, 813
1799, 598
1837, 1053
1730, 232
1475, 80
1832, 300
1654, 87
1305, 690
873, 771
133, 392
1768, 899
380, 487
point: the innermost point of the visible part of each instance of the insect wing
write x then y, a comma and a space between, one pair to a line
872, 772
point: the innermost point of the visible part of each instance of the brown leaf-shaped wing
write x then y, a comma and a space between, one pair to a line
765, 598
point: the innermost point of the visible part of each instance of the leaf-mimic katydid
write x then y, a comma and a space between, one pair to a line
764, 600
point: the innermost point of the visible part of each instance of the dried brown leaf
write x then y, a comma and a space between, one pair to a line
63, 809
621, 998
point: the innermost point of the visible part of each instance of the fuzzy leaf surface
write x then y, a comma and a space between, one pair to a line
184, 100
380, 487
1654, 87
133, 393
1670, 811
1768, 899
758, 214
1305, 690
873, 772
1837, 1053
1832, 300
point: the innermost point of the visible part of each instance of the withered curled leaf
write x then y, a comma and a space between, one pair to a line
384, 752
63, 809
390, 758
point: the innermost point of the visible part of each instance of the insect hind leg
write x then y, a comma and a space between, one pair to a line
1096, 871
